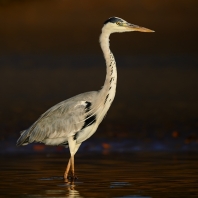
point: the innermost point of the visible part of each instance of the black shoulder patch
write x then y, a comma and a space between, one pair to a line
113, 20
89, 121
88, 105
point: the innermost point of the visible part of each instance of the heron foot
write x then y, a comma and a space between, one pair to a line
72, 177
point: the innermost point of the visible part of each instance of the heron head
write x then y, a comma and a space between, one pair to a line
115, 24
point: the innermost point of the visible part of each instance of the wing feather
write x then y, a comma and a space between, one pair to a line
62, 120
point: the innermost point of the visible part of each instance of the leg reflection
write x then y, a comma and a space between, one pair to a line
72, 193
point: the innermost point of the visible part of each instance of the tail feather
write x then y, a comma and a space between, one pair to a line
23, 139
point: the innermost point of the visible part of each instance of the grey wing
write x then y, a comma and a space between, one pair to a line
61, 121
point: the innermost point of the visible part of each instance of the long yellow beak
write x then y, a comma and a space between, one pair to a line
138, 28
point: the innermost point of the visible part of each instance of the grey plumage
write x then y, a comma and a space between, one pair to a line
60, 120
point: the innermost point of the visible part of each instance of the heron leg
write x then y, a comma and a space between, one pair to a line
72, 161
72, 165
73, 147
67, 169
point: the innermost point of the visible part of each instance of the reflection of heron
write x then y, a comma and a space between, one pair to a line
72, 193
72, 121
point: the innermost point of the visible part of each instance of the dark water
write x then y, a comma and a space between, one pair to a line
141, 175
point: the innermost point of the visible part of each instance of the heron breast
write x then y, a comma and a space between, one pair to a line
87, 132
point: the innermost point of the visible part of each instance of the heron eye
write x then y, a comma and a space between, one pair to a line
119, 23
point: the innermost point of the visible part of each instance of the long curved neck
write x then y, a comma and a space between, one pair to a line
109, 87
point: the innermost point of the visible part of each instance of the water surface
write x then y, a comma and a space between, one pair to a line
139, 175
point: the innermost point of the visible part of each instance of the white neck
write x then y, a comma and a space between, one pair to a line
109, 88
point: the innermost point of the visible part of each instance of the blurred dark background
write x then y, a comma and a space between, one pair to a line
49, 51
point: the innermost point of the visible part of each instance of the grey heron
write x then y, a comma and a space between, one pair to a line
71, 122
